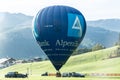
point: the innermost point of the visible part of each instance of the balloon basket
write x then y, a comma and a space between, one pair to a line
58, 74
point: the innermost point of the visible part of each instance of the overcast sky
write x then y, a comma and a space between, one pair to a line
91, 9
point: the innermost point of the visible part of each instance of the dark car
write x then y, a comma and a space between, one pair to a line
15, 75
44, 74
66, 75
74, 74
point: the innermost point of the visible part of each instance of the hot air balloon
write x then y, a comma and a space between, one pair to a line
59, 30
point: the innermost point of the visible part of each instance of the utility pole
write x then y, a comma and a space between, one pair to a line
119, 40
118, 49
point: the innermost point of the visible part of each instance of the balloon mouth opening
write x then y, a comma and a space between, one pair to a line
57, 67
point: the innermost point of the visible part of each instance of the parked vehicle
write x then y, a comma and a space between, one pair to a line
15, 75
44, 74
66, 75
72, 74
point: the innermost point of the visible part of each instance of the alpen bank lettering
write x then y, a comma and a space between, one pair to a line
66, 43
60, 43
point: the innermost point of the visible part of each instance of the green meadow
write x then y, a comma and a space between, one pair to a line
87, 63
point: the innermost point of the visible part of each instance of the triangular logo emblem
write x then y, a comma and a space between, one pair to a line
77, 25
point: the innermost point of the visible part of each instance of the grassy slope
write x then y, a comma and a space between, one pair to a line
86, 63
94, 62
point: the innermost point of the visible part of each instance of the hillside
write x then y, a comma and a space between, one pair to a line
17, 41
8, 21
109, 24
99, 35
16, 38
97, 61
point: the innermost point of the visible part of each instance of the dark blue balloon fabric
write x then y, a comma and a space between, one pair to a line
59, 31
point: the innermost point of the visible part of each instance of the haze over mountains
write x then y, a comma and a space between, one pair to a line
16, 39
109, 24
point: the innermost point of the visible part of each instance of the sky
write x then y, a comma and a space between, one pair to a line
91, 9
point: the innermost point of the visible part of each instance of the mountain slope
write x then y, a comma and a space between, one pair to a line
20, 43
17, 41
9, 21
16, 38
109, 24
99, 35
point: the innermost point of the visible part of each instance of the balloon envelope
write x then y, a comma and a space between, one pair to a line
59, 31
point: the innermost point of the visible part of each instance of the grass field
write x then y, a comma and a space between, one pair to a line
92, 62
61, 78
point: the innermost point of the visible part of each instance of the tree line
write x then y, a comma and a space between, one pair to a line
84, 50
96, 47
